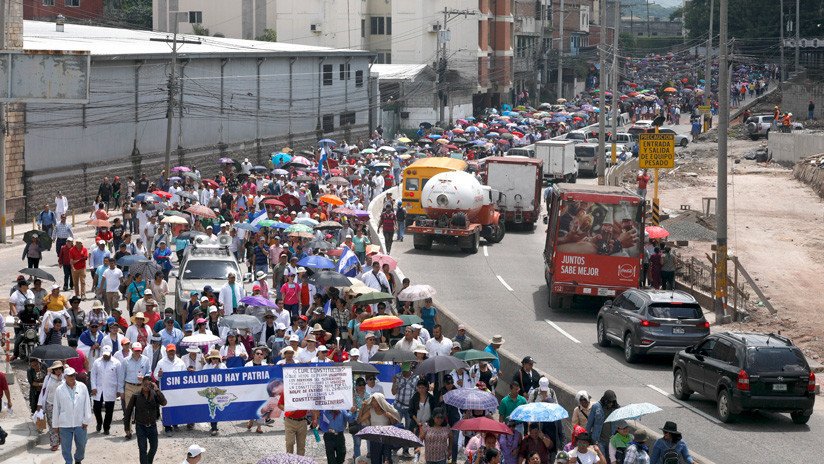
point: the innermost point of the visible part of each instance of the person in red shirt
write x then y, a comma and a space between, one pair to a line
295, 426
643, 180
64, 261
78, 257
106, 235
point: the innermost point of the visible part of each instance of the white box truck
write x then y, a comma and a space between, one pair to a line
560, 164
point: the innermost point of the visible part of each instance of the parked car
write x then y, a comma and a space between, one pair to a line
681, 140
640, 126
651, 322
760, 125
747, 371
629, 141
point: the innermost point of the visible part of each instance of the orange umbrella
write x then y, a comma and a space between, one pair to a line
331, 199
99, 223
381, 323
670, 89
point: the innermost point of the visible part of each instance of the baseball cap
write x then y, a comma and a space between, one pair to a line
562, 457
354, 352
101, 242
171, 347
528, 360
69, 371
461, 327
543, 384
137, 346
148, 291
107, 349
195, 450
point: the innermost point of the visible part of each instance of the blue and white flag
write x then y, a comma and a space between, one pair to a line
259, 216
348, 262
322, 161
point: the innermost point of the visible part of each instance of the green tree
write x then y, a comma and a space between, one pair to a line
135, 14
269, 35
757, 19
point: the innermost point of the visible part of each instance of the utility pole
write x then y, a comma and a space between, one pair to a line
781, 41
647, 18
708, 64
615, 99
797, 27
721, 201
3, 19
601, 162
560, 89
443, 38
171, 93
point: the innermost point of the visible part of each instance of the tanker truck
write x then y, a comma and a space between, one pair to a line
459, 211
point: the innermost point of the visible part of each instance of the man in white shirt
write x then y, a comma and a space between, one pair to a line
369, 349
375, 278
408, 342
72, 415
230, 295
61, 204
420, 333
246, 166
112, 277
308, 353
104, 388
438, 345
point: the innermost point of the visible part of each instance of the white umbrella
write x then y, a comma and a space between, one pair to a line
386, 148
307, 222
632, 411
417, 293
199, 339
174, 220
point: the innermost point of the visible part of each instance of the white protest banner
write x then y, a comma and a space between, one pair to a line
317, 387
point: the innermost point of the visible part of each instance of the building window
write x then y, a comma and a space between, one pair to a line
75, 3
358, 78
347, 119
48, 2
388, 25
377, 25
328, 123
345, 72
363, 28
327, 74
196, 17
384, 58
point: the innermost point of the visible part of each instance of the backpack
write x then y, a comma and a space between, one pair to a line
671, 456
619, 455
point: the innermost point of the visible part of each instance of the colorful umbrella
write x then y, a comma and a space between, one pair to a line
162, 194
174, 220
471, 398
331, 199
482, 424
656, 232
417, 292
385, 259
257, 300
389, 435
298, 228
539, 412
274, 202
381, 323
200, 210
475, 355
632, 411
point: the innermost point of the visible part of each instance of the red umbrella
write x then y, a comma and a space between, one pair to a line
656, 232
200, 210
99, 223
274, 202
210, 183
381, 323
162, 194
634, 85
482, 424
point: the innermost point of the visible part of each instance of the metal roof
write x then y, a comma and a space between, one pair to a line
113, 43
397, 71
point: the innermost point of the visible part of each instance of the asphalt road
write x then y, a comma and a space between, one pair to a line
501, 290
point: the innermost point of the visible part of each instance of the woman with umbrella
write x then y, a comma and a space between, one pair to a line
163, 257
377, 411
33, 252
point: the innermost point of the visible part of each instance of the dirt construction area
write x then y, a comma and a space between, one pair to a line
776, 225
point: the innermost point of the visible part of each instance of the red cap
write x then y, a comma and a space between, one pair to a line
304, 318
171, 347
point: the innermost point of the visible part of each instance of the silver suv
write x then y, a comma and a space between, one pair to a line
651, 322
204, 264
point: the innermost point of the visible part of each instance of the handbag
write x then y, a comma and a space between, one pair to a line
354, 427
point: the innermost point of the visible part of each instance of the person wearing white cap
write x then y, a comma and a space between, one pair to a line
542, 394
369, 349
354, 355
287, 355
195, 453
71, 416
104, 388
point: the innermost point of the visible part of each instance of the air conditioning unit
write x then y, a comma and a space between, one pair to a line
316, 27
435, 27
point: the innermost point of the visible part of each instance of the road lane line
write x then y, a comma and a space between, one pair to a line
691, 408
486, 251
562, 331
506, 285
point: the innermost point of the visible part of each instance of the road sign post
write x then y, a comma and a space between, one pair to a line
656, 151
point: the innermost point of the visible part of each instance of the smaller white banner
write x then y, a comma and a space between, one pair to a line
317, 387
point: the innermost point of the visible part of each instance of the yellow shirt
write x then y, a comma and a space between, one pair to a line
55, 303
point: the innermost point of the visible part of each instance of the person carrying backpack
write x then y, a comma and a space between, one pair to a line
637, 452
670, 449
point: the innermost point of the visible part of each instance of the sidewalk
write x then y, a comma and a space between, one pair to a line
80, 220
22, 433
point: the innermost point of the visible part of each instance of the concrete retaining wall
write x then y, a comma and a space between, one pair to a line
811, 175
790, 148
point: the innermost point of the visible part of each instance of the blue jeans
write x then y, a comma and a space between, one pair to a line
264, 268
78, 435
146, 435
401, 230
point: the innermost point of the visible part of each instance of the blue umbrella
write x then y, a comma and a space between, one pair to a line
130, 260
472, 128
471, 398
147, 197
247, 226
317, 262
280, 225
281, 159
632, 411
539, 412
329, 141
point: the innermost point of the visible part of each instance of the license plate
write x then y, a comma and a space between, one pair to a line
606, 292
678, 330
439, 231
780, 387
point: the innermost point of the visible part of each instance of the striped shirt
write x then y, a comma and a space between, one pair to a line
63, 230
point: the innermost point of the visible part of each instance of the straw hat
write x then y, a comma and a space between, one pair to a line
213, 354
138, 316
56, 365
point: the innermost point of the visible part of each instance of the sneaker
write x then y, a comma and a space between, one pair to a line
213, 433
98, 428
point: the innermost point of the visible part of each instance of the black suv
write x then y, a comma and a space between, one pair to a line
651, 322
747, 371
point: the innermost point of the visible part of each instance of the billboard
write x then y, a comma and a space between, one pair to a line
44, 76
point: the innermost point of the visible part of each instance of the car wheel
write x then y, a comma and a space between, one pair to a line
629, 351
684, 142
679, 385
602, 334
800, 417
724, 404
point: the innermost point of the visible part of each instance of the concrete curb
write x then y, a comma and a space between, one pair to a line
510, 362
22, 434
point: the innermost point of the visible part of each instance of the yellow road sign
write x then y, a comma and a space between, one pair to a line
704, 108
656, 151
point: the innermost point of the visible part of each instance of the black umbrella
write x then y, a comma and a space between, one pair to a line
329, 225
331, 279
359, 367
303, 179
320, 245
394, 355
53, 352
145, 268
188, 196
42, 237
39, 273
437, 364
240, 321
391, 436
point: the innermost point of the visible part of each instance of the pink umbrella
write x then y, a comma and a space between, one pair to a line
301, 160
656, 232
180, 169
385, 259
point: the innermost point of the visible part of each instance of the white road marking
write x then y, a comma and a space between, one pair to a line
691, 408
486, 252
506, 285
562, 331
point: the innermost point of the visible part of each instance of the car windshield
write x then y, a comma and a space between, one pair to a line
208, 269
576, 136
671, 311
766, 359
